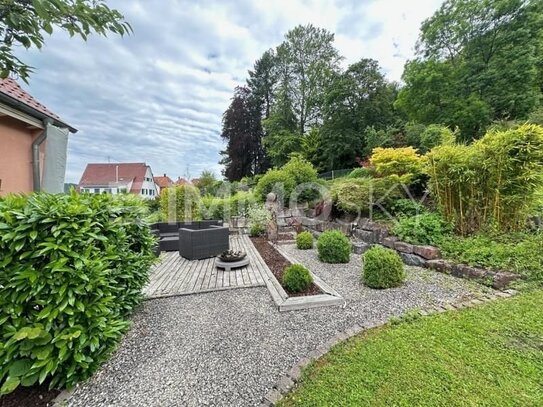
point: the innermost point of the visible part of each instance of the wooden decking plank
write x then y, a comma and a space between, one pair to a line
194, 277
162, 277
174, 275
161, 269
201, 277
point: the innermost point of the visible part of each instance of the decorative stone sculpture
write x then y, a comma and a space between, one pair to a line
273, 206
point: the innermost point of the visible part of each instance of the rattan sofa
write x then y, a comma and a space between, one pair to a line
195, 244
168, 232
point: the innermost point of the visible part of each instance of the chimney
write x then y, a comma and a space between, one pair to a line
164, 175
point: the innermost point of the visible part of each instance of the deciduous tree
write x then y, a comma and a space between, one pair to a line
24, 23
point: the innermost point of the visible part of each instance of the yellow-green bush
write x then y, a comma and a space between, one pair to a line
404, 163
180, 203
358, 195
72, 268
491, 183
304, 240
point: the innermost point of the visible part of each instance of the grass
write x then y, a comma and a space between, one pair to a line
490, 355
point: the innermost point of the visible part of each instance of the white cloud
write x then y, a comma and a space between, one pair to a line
158, 95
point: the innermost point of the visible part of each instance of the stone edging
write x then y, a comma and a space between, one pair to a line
288, 381
370, 233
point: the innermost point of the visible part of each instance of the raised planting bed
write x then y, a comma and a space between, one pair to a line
319, 294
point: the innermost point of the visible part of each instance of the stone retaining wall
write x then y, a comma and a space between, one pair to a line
367, 233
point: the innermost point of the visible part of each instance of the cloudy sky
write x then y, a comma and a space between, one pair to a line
158, 95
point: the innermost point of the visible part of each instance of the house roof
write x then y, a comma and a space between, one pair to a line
181, 181
164, 181
15, 96
103, 175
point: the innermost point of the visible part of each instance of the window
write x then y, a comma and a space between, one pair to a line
96, 190
144, 191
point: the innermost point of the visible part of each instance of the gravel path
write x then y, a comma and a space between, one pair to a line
228, 348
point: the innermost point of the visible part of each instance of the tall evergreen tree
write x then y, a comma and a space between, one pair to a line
262, 81
242, 131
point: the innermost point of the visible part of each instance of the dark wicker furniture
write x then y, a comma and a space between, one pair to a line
195, 244
168, 233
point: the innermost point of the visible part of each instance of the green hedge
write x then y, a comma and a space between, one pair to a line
224, 208
72, 268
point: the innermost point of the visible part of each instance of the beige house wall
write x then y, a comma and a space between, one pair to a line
16, 139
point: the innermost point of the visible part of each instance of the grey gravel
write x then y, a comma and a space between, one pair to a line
229, 348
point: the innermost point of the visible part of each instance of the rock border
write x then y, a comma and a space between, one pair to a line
289, 380
368, 233
285, 303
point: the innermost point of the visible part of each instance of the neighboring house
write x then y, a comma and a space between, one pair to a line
163, 182
133, 178
182, 181
33, 143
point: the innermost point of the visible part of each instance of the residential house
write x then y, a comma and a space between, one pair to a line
182, 181
163, 182
118, 178
33, 143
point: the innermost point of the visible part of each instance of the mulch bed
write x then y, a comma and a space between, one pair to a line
277, 264
35, 396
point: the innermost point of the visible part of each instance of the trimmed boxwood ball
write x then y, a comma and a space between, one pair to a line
304, 241
334, 247
383, 268
296, 278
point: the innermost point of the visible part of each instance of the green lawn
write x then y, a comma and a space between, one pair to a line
491, 355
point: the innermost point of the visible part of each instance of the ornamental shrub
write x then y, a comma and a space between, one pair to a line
305, 178
304, 240
360, 194
72, 268
383, 268
296, 278
425, 229
360, 173
406, 207
224, 208
403, 163
334, 247
180, 203
436, 135
258, 219
276, 181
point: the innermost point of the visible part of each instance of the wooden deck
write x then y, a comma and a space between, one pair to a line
175, 275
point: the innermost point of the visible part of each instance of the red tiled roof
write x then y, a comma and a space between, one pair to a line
9, 87
181, 181
163, 182
106, 174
